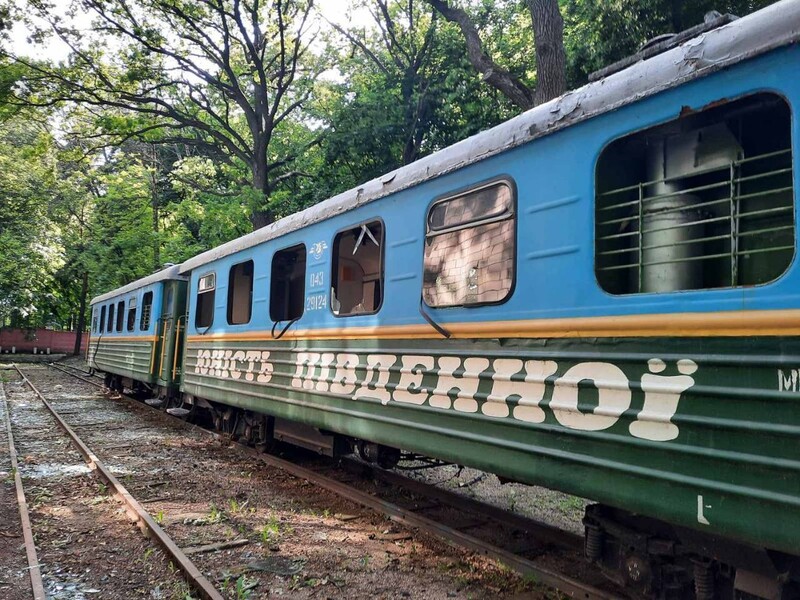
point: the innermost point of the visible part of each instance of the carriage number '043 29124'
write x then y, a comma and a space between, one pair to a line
316, 301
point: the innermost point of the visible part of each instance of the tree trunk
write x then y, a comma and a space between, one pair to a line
493, 74
551, 59
260, 215
154, 203
261, 218
81, 314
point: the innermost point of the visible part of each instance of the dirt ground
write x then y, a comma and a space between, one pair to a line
297, 541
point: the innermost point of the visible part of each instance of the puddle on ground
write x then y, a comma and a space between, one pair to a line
53, 470
68, 590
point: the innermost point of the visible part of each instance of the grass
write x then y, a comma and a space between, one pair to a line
271, 531
215, 514
570, 504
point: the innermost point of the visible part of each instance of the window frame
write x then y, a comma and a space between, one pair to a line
229, 305
150, 312
197, 295
120, 325
710, 105
305, 275
382, 269
111, 318
504, 178
130, 324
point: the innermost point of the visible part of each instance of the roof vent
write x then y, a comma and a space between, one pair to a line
664, 42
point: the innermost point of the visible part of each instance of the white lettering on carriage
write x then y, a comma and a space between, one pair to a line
265, 372
531, 390
410, 389
517, 387
613, 396
344, 380
787, 383
306, 368
235, 359
377, 378
661, 396
464, 386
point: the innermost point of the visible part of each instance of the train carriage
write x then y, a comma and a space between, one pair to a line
135, 333
600, 296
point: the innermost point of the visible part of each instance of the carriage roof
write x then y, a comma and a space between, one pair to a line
170, 272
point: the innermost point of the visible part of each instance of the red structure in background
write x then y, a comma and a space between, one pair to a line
26, 340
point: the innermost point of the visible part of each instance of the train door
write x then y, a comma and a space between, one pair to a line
166, 334
172, 326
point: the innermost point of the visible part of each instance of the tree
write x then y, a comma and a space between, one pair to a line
406, 90
599, 34
402, 54
24, 174
222, 75
550, 55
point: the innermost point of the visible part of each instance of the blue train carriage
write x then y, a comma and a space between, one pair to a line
599, 296
136, 333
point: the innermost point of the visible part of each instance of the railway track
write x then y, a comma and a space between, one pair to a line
50, 453
529, 547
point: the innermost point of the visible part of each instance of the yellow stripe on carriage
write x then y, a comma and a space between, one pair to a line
722, 324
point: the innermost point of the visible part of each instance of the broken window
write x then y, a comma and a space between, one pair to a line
240, 293
704, 201
204, 310
357, 281
102, 319
131, 313
147, 309
120, 314
469, 247
110, 323
287, 289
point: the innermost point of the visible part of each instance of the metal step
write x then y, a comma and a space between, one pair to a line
157, 402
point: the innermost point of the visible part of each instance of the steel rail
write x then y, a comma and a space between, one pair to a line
543, 532
563, 583
135, 510
34, 570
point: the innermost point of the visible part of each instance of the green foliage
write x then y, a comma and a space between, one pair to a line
402, 97
597, 34
29, 257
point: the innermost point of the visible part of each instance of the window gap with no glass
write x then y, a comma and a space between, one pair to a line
357, 274
287, 289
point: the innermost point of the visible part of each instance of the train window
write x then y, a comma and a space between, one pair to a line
240, 293
131, 313
470, 247
204, 310
120, 314
94, 321
147, 310
102, 319
110, 327
701, 202
287, 290
357, 274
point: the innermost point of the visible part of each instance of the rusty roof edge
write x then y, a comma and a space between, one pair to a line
772, 27
171, 272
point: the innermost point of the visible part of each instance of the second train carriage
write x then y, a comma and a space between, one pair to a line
600, 296
136, 333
